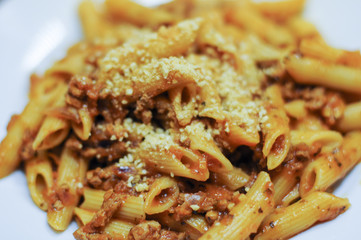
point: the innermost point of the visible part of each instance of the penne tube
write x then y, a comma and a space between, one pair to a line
168, 157
291, 197
29, 120
238, 136
310, 123
326, 138
198, 223
301, 28
83, 129
39, 176
235, 179
130, 11
162, 195
131, 210
274, 94
73, 64
183, 99
284, 182
351, 119
316, 207
326, 169
93, 199
280, 10
163, 75
253, 21
276, 137
210, 102
52, 132
296, 109
203, 141
318, 48
262, 51
168, 42
91, 20
312, 71
70, 175
247, 214
118, 229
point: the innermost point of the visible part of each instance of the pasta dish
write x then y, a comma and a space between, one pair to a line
192, 120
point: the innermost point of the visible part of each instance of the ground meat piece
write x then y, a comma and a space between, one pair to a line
103, 143
148, 230
170, 235
112, 201
296, 158
214, 198
113, 150
143, 109
107, 178
26, 151
212, 216
82, 92
74, 144
165, 113
333, 108
315, 98
80, 235
329, 104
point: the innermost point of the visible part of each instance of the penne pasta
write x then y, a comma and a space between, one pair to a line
351, 119
131, 210
173, 159
320, 174
162, 195
301, 28
276, 137
71, 173
39, 175
325, 138
29, 120
280, 10
248, 213
202, 141
253, 21
83, 129
311, 71
130, 11
296, 109
284, 182
117, 228
317, 48
234, 179
183, 101
316, 207
52, 132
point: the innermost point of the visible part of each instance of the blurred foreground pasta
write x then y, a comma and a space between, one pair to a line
193, 120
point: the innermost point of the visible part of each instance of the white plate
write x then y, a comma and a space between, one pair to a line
33, 34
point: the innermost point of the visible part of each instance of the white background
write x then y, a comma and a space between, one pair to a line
35, 33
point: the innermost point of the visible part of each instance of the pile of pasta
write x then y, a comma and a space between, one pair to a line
193, 120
